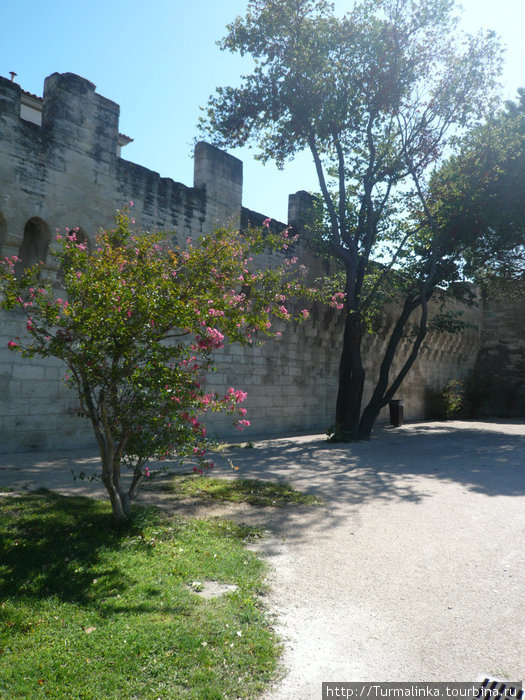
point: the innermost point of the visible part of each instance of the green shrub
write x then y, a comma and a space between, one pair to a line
446, 403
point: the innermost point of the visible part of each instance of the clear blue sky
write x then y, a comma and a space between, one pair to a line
159, 61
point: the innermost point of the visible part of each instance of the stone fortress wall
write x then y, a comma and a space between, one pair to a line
61, 166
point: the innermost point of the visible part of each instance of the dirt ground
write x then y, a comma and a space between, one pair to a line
413, 569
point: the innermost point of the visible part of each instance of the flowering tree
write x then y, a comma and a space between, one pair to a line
138, 326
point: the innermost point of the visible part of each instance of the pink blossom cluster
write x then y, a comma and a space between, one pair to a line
284, 311
336, 300
214, 313
196, 427
10, 261
241, 424
288, 240
212, 340
238, 394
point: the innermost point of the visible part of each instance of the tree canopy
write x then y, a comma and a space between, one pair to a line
478, 194
375, 96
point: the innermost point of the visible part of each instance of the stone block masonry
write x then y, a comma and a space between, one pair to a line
61, 166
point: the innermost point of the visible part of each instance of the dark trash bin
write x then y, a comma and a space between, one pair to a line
396, 412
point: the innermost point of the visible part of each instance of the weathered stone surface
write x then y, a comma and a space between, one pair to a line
62, 169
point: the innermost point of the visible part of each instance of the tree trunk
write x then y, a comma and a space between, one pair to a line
120, 512
369, 418
351, 382
383, 393
120, 500
110, 457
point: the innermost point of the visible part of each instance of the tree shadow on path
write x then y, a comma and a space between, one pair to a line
397, 465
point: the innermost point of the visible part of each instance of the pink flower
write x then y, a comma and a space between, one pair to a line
12, 344
216, 312
284, 312
305, 313
213, 339
335, 300
266, 223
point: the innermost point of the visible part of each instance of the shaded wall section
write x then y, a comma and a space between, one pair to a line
497, 384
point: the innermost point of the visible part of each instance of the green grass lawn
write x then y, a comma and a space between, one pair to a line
89, 612
252, 491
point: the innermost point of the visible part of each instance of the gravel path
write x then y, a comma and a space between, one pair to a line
415, 568
412, 570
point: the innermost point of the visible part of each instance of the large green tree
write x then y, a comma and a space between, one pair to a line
374, 96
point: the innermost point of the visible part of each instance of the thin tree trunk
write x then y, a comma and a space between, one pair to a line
382, 392
110, 455
120, 501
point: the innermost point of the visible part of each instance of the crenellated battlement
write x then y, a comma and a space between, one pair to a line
61, 165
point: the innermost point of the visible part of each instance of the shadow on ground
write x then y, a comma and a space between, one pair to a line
395, 465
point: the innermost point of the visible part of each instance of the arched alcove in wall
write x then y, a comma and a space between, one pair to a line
35, 243
3, 231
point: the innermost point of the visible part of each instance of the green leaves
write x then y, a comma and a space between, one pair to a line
372, 94
478, 195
